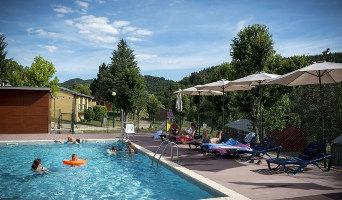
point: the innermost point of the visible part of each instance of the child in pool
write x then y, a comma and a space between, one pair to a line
74, 157
131, 148
38, 167
112, 151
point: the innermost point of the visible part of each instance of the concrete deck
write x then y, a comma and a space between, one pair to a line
256, 181
251, 180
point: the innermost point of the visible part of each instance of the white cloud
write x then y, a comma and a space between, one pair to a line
102, 30
41, 32
145, 56
95, 29
62, 9
128, 29
60, 15
242, 24
68, 22
133, 39
101, 1
120, 23
82, 4
143, 32
50, 48
305, 46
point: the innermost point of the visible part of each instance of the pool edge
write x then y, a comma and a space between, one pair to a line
195, 177
182, 171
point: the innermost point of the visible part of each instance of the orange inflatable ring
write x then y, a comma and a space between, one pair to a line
77, 162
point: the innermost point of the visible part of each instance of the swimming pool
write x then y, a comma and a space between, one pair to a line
104, 177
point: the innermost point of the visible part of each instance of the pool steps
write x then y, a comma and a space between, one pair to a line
168, 143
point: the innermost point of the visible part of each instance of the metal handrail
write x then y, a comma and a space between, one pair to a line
155, 153
168, 143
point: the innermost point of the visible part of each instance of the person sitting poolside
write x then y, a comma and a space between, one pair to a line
38, 167
217, 138
206, 138
188, 135
173, 131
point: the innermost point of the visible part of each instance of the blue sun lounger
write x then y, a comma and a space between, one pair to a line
266, 146
312, 154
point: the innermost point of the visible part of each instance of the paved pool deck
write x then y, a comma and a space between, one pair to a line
250, 180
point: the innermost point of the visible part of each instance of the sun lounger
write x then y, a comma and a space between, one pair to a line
312, 154
197, 141
230, 147
266, 146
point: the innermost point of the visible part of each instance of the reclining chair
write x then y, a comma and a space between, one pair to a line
312, 154
266, 145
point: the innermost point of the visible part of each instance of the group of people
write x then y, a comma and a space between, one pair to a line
190, 134
37, 163
70, 140
131, 149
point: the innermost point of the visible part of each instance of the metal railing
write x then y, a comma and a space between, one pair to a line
167, 144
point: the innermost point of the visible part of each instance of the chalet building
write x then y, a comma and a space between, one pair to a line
66, 100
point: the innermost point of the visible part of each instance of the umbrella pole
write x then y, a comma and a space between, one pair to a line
322, 116
198, 113
261, 114
223, 118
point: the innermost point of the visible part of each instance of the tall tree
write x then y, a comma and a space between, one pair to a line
251, 49
41, 74
102, 86
153, 106
4, 68
127, 81
17, 75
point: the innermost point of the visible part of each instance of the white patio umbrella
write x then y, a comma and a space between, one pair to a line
257, 79
179, 105
317, 73
222, 86
193, 91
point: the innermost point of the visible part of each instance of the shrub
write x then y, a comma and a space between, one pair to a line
89, 114
99, 112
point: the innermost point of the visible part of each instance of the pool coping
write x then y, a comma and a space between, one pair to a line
195, 177
200, 180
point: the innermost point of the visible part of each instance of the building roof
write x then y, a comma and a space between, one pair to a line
25, 88
75, 93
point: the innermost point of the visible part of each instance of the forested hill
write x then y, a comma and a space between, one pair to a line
225, 70
70, 83
154, 85
157, 84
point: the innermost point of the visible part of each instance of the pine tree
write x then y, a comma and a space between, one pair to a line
128, 83
4, 68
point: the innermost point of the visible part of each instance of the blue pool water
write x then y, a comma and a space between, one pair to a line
104, 177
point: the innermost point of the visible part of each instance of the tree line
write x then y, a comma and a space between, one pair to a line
41, 73
251, 50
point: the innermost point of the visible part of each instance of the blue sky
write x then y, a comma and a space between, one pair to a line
170, 38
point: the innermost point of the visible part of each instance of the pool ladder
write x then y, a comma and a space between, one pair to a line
168, 143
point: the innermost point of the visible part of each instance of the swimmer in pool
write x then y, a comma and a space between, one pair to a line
38, 167
131, 148
112, 151
74, 157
